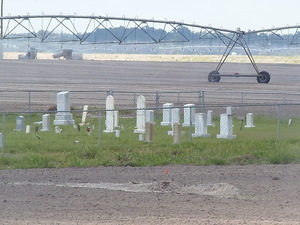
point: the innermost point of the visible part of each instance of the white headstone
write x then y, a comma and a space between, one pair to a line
226, 127
189, 115
229, 110
140, 115
57, 130
46, 123
210, 118
201, 125
84, 114
20, 126
116, 119
167, 115
150, 116
63, 115
175, 118
109, 121
27, 129
249, 120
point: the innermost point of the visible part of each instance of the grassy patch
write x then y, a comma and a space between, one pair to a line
73, 148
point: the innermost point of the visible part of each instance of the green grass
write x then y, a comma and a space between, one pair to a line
258, 145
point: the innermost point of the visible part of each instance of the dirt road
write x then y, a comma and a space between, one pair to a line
256, 194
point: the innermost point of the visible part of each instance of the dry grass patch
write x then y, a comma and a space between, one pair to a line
170, 58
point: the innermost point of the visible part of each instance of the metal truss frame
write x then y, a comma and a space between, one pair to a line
230, 38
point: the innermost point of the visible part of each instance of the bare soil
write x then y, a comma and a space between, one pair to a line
255, 194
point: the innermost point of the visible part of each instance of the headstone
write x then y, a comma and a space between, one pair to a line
116, 119
200, 125
84, 114
20, 126
63, 115
118, 133
149, 132
141, 137
150, 116
27, 129
210, 118
229, 110
176, 133
46, 123
167, 115
109, 121
249, 120
140, 115
89, 131
226, 127
57, 130
175, 119
189, 115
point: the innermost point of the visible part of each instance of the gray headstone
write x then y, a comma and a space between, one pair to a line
110, 121
140, 115
46, 122
210, 118
20, 125
150, 116
188, 115
226, 127
249, 120
200, 125
63, 115
84, 114
167, 114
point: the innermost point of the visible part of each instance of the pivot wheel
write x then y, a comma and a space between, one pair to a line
263, 77
214, 76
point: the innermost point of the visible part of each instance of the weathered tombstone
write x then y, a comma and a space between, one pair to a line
188, 115
63, 115
210, 118
226, 127
249, 120
167, 115
150, 116
84, 115
229, 110
200, 125
46, 122
27, 129
140, 115
116, 119
20, 126
141, 137
118, 133
89, 131
149, 132
175, 119
109, 121
57, 130
177, 133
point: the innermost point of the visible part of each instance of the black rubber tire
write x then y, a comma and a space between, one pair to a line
212, 76
264, 78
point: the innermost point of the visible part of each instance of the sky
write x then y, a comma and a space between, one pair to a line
227, 14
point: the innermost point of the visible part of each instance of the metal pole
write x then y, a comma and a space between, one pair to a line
1, 37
